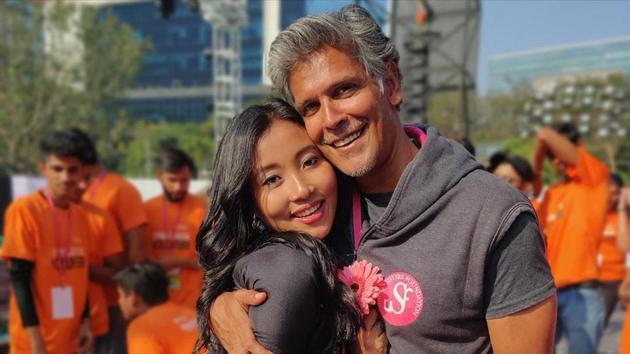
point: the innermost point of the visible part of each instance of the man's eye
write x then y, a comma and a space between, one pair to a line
344, 90
309, 109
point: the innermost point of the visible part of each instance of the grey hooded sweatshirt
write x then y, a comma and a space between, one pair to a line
457, 247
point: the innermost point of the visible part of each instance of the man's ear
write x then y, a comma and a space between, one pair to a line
41, 166
393, 88
136, 300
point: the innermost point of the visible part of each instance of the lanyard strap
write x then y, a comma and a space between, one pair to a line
63, 247
97, 183
170, 231
356, 218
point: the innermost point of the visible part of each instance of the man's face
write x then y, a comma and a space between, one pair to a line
175, 184
62, 174
346, 113
127, 304
614, 193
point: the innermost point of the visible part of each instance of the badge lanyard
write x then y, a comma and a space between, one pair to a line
99, 180
356, 218
64, 245
170, 231
411, 131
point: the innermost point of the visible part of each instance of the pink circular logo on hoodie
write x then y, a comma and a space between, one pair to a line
402, 300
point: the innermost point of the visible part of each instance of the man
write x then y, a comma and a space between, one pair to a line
105, 259
174, 218
611, 257
157, 325
118, 197
572, 215
47, 243
465, 267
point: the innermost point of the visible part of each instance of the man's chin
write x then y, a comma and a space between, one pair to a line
175, 198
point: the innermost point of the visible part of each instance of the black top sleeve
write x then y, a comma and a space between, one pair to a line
517, 274
20, 275
286, 322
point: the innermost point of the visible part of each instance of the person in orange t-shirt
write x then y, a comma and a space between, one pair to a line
105, 258
623, 238
46, 243
612, 260
157, 325
174, 218
572, 215
121, 199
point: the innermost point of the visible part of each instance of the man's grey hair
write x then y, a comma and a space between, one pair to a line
351, 30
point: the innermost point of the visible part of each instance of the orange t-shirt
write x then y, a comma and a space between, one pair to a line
572, 218
122, 200
106, 242
30, 235
164, 238
167, 328
612, 261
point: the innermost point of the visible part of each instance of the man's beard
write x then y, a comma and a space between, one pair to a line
173, 198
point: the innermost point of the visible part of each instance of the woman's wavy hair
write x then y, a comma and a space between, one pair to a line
231, 229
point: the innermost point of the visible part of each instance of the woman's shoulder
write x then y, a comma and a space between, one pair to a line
274, 263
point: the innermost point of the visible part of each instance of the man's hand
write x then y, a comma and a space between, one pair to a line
37, 341
85, 340
624, 291
371, 338
231, 324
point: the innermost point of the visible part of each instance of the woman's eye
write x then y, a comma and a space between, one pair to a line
271, 180
311, 161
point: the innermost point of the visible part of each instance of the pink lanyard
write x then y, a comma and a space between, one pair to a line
170, 231
94, 188
356, 218
64, 247
413, 132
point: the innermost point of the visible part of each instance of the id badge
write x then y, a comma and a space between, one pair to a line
174, 278
62, 303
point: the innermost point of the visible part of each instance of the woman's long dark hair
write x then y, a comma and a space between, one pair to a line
231, 230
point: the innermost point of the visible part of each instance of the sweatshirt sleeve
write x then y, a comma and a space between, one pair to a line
285, 322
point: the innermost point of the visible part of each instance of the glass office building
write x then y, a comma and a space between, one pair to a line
175, 80
606, 56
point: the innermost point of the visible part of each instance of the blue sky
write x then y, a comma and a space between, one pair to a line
517, 25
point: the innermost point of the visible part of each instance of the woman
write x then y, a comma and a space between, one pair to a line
515, 170
270, 179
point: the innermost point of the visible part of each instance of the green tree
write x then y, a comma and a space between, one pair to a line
150, 137
43, 89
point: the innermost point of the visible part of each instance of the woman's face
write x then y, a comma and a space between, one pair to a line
506, 172
295, 188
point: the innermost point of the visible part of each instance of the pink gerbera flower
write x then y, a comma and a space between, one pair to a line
366, 281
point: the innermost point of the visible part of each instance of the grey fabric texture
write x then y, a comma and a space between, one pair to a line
290, 321
470, 240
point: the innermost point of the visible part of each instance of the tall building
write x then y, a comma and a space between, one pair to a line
543, 68
175, 80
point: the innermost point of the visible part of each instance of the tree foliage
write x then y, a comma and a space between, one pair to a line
43, 89
149, 137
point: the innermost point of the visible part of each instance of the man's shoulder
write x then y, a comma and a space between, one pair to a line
154, 202
196, 201
117, 182
31, 203
490, 189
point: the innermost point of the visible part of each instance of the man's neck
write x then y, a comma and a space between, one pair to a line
61, 202
384, 177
